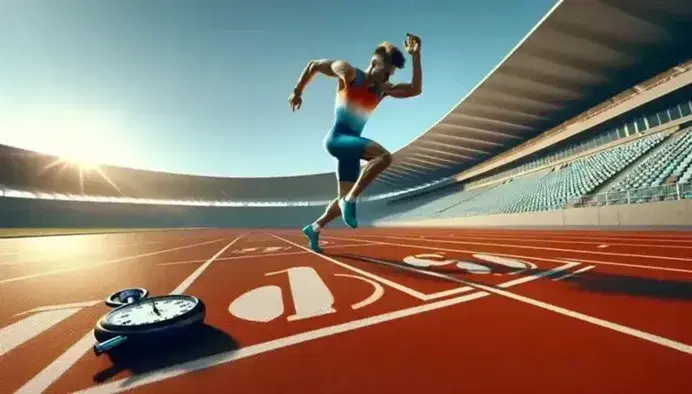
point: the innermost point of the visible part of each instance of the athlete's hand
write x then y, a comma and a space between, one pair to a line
295, 101
412, 44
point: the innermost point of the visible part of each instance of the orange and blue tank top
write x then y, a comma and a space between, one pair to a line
354, 105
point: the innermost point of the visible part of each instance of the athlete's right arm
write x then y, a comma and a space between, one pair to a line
331, 68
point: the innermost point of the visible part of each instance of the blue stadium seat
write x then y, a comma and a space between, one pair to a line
548, 189
671, 165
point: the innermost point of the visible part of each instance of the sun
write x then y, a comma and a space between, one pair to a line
83, 164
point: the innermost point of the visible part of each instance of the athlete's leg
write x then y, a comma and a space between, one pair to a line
378, 160
333, 211
350, 150
345, 171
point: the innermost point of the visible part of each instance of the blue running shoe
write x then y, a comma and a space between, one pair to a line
314, 238
348, 213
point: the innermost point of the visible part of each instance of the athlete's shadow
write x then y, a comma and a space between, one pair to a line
632, 285
142, 357
592, 281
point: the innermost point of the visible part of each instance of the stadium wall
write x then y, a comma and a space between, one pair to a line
37, 213
661, 213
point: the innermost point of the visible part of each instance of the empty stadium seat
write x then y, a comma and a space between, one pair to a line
544, 190
670, 166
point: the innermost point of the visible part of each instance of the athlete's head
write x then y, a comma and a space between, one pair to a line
384, 62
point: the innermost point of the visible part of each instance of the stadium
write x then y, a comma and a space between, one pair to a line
541, 225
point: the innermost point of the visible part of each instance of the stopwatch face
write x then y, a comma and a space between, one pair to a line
151, 310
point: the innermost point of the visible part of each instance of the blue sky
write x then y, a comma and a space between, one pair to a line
201, 87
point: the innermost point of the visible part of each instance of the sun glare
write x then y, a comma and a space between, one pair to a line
82, 164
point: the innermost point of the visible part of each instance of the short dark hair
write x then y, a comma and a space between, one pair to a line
392, 54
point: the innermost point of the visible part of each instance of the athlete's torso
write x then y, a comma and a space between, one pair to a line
354, 104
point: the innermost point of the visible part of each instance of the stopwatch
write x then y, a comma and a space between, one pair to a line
148, 318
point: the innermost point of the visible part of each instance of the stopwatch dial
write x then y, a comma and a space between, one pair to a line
150, 311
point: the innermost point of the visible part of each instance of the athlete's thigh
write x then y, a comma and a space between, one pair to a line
373, 150
345, 146
347, 171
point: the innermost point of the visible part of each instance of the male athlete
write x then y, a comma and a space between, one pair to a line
358, 94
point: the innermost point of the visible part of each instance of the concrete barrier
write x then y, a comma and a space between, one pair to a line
663, 213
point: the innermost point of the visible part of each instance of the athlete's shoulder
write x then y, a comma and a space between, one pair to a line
358, 76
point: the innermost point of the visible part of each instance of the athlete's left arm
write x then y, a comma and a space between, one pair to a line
412, 89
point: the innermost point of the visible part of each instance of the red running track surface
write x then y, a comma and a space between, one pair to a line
382, 310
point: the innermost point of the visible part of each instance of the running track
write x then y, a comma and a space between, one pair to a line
395, 310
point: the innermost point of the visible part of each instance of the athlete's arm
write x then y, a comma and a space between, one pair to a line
415, 87
331, 68
412, 89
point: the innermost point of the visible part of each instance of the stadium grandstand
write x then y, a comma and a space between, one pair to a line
592, 108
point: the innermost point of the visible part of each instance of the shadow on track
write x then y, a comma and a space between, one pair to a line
201, 342
637, 286
632, 285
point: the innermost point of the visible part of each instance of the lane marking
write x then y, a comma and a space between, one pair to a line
196, 274
377, 293
527, 235
139, 380
679, 346
538, 248
579, 271
252, 256
107, 262
63, 306
392, 284
417, 294
605, 246
22, 331
260, 305
511, 283
65, 361
567, 241
599, 262
311, 296
518, 265
82, 253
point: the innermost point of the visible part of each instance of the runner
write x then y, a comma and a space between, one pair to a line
358, 94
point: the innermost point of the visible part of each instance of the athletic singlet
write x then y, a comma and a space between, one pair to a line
354, 104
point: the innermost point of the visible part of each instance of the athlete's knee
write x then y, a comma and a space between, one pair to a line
386, 159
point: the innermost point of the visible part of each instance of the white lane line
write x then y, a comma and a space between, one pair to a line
679, 346
394, 285
417, 294
63, 306
198, 272
82, 254
567, 241
579, 271
537, 248
552, 237
18, 333
599, 262
511, 283
372, 298
108, 262
263, 255
130, 383
184, 262
59, 366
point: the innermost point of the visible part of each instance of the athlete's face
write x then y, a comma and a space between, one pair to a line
380, 69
